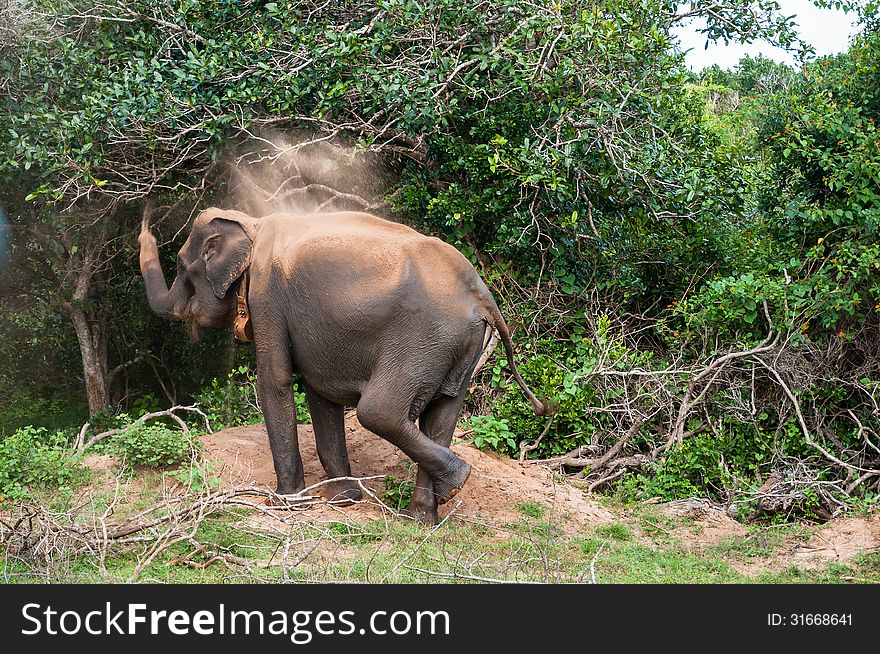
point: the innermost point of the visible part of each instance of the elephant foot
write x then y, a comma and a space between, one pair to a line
281, 495
427, 515
290, 488
342, 492
447, 484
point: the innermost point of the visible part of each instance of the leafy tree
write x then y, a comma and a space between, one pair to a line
513, 124
752, 75
638, 224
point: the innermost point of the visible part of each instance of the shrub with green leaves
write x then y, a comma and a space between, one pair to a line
562, 374
198, 478
235, 400
571, 425
32, 458
22, 407
398, 492
695, 469
493, 433
232, 401
155, 445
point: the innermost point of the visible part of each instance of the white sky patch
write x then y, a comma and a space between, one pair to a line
827, 30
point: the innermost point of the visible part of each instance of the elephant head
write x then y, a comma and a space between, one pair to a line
209, 264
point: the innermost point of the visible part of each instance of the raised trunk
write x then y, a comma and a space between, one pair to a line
158, 295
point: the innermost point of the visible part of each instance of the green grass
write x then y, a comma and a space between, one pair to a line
531, 509
398, 552
642, 546
615, 531
761, 541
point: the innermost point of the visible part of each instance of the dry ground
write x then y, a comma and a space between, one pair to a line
500, 490
496, 490
511, 522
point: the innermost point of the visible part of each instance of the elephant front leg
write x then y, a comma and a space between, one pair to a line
328, 421
275, 381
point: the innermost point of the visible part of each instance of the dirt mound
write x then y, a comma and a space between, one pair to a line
711, 525
496, 490
840, 540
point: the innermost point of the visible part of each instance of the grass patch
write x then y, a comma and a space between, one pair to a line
614, 531
532, 509
660, 527
761, 541
632, 563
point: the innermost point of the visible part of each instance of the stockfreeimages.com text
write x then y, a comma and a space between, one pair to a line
300, 626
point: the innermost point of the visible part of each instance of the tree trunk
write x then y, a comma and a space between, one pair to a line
91, 332
77, 259
93, 350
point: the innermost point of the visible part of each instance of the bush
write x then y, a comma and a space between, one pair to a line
492, 433
198, 478
24, 407
561, 372
694, 469
31, 458
235, 401
398, 492
571, 426
155, 445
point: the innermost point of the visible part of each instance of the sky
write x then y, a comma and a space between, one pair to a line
827, 30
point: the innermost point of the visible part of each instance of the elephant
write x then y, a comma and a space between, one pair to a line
368, 312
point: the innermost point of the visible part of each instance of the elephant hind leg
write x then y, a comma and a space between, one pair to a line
384, 410
438, 421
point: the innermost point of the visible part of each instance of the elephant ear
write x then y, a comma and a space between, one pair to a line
226, 252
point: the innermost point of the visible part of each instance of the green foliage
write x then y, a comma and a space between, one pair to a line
517, 422
809, 239
532, 509
34, 458
564, 377
155, 445
751, 75
235, 400
490, 432
198, 477
24, 406
866, 506
303, 416
736, 457
694, 469
398, 492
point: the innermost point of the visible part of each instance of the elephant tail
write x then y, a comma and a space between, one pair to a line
541, 407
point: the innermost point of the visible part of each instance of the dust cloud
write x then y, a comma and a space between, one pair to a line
306, 175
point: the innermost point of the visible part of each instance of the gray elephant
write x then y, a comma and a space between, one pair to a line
369, 313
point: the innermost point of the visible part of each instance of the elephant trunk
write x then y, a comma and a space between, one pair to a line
160, 298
